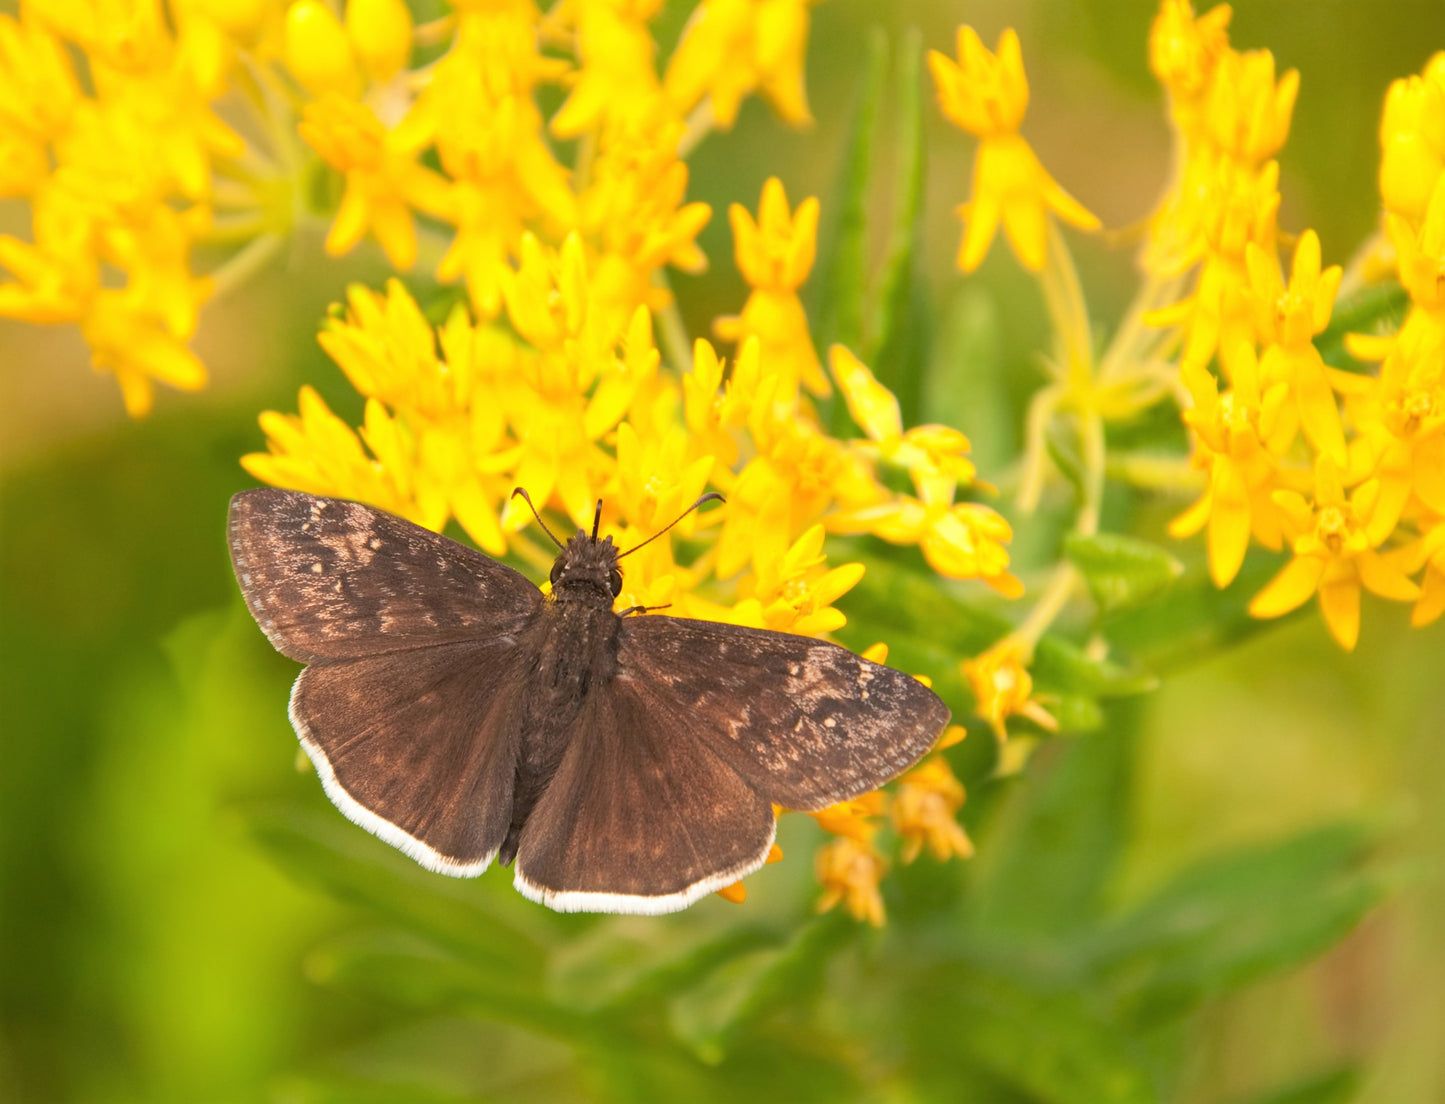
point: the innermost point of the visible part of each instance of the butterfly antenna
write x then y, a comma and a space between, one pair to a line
596, 520
711, 496
528, 500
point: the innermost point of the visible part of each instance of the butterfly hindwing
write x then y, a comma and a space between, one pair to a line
419, 747
642, 816
328, 579
806, 723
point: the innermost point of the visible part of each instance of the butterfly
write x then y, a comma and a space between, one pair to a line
624, 763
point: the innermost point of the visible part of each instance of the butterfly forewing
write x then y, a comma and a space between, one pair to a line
419, 747
805, 722
642, 816
328, 579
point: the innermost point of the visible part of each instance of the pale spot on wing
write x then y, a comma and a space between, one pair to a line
316, 568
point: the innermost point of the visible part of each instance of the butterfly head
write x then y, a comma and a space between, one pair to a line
586, 571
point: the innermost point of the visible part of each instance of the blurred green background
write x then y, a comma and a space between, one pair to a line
1182, 905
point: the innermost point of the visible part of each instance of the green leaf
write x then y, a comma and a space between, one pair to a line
963, 379
1198, 621
623, 968
1041, 1039
1063, 450
1121, 571
708, 1016
404, 969
1233, 919
895, 326
321, 1089
1060, 836
321, 850
844, 277
1337, 1086
1061, 667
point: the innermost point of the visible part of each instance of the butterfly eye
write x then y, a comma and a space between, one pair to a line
616, 582
556, 570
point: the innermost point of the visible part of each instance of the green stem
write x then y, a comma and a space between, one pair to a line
672, 333
244, 263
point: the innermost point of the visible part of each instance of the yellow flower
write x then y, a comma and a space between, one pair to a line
1248, 114
960, 540
1237, 210
849, 871
316, 452
1432, 584
383, 180
1184, 51
38, 96
1286, 319
1003, 688
925, 811
986, 95
1412, 140
794, 592
380, 33
317, 51
634, 215
855, 819
1334, 545
934, 455
616, 81
1239, 439
737, 893
775, 255
1420, 256
478, 110
732, 48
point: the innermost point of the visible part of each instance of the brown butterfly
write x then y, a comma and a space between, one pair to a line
627, 764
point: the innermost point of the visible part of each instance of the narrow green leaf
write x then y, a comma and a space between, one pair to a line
844, 276
963, 381
895, 329
1063, 450
1121, 571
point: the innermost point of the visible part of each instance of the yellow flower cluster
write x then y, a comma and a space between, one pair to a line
555, 400
448, 161
1280, 436
119, 170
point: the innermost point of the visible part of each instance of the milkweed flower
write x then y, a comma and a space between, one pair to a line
987, 94
1003, 688
850, 870
925, 809
1335, 539
732, 48
775, 254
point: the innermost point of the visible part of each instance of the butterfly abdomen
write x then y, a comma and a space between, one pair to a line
578, 654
